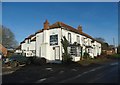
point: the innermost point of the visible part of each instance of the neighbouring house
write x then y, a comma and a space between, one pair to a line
27, 47
18, 50
111, 51
3, 50
47, 42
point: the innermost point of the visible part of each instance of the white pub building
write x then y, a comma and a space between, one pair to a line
47, 43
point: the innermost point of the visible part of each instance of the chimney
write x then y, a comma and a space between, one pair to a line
46, 25
80, 28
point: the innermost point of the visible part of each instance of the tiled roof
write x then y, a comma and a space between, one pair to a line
30, 36
34, 39
19, 47
27, 38
67, 27
39, 31
22, 42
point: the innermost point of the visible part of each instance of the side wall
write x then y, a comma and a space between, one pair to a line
43, 47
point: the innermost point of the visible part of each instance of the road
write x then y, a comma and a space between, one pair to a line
101, 74
105, 73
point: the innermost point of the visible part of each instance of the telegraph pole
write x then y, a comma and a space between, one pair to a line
113, 41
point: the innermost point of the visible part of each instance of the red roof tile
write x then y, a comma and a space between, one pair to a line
30, 36
39, 31
67, 27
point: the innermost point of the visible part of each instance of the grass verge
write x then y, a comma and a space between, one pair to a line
91, 61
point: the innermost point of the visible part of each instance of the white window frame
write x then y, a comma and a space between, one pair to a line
78, 39
69, 37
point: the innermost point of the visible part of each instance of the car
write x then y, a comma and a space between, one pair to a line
5, 60
0, 56
16, 60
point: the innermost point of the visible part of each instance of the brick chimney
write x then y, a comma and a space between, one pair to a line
46, 25
80, 28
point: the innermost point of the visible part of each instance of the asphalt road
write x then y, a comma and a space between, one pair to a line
99, 74
105, 73
102, 74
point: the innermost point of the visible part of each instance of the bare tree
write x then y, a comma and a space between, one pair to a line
105, 45
100, 39
8, 38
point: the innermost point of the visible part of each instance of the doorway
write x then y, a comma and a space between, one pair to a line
57, 53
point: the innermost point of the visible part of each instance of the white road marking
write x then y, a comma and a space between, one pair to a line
116, 63
41, 80
61, 72
93, 70
81, 74
74, 70
22, 65
50, 69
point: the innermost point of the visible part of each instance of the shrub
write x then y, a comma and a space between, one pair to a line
114, 56
39, 61
66, 58
86, 55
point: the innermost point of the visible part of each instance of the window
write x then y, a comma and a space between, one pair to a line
28, 48
69, 37
53, 39
89, 51
74, 50
78, 39
89, 42
28, 41
83, 40
27, 53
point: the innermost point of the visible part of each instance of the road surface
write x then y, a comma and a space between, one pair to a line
105, 73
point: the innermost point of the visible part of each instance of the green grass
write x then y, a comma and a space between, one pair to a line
116, 55
90, 61
99, 60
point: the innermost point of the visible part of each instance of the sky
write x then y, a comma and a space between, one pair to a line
98, 19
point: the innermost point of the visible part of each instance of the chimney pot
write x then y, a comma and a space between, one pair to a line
46, 25
80, 28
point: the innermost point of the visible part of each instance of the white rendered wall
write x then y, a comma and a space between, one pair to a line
39, 41
50, 52
43, 48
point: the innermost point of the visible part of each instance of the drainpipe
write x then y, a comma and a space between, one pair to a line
35, 47
81, 53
